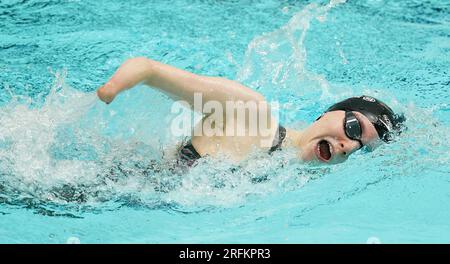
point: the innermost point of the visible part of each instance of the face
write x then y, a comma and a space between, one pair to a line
325, 140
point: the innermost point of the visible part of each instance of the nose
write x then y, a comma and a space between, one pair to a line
347, 147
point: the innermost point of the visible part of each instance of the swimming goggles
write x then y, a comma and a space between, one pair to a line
352, 127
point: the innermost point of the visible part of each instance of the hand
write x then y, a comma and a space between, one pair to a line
106, 93
130, 73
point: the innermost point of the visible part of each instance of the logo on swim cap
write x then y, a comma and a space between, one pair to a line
369, 99
387, 122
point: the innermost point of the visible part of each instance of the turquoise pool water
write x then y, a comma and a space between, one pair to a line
58, 144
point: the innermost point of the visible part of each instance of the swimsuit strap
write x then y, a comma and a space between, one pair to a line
188, 154
279, 137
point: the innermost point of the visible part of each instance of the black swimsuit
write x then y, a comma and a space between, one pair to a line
188, 155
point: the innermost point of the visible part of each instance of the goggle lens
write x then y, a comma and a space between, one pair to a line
352, 127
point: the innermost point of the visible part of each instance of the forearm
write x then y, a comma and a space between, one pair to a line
177, 83
183, 85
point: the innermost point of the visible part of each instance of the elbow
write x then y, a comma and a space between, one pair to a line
142, 64
141, 60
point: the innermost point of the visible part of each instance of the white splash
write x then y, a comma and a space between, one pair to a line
277, 59
30, 132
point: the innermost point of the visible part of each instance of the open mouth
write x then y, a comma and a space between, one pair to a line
324, 150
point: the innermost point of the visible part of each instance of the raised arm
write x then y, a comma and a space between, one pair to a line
177, 83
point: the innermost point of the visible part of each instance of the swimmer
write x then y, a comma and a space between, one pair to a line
344, 128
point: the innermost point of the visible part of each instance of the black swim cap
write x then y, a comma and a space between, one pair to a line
385, 121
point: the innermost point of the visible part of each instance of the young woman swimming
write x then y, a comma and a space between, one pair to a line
340, 131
